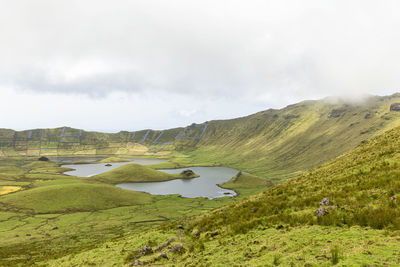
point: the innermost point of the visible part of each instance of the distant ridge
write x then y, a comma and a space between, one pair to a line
271, 143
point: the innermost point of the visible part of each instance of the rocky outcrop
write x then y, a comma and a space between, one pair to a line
336, 113
395, 107
163, 245
137, 263
323, 210
214, 233
43, 158
291, 116
188, 174
146, 250
177, 248
164, 254
325, 201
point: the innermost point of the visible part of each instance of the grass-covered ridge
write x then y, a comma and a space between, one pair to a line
363, 187
72, 197
275, 144
246, 181
45, 167
282, 143
136, 173
113, 159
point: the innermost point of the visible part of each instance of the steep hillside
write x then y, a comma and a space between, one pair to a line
275, 144
363, 187
330, 215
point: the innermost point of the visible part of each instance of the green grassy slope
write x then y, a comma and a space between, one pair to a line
72, 197
55, 215
135, 173
290, 246
46, 167
279, 143
113, 159
246, 181
364, 184
279, 226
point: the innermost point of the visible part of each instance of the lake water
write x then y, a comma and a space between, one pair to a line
88, 170
203, 186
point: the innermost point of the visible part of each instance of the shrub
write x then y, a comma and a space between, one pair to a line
377, 218
335, 255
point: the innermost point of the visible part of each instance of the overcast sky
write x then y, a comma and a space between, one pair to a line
135, 64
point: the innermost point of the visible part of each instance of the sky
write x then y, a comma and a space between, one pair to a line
132, 65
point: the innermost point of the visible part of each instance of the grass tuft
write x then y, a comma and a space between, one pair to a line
335, 257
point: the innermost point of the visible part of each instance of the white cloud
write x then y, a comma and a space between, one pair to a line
187, 113
210, 54
112, 112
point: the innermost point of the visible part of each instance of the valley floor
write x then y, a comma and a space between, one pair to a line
55, 215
